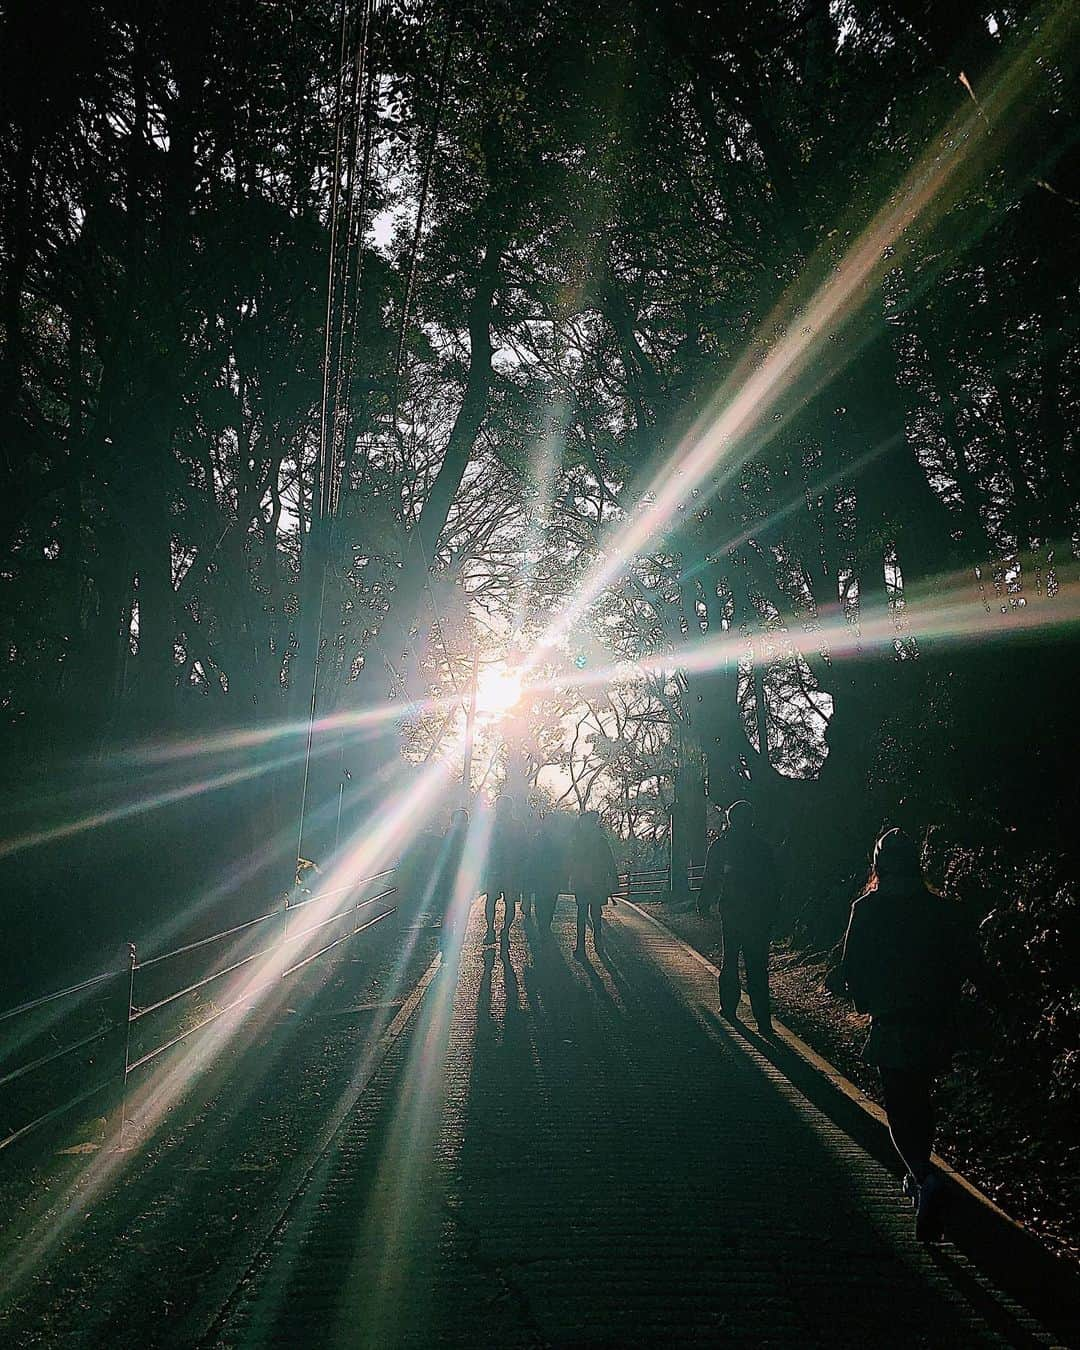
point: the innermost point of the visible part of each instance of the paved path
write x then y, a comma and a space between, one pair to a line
560, 1154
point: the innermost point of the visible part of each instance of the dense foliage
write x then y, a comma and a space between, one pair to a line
800, 271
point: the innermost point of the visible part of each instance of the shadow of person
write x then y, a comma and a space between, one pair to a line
618, 979
595, 978
959, 1271
483, 993
552, 987
533, 984
513, 991
763, 1039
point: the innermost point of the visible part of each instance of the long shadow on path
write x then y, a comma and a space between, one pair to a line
579, 1155
628, 1176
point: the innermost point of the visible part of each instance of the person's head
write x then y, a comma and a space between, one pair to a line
590, 821
504, 805
459, 820
896, 861
740, 815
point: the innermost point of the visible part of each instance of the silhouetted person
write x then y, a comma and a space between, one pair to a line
741, 878
504, 868
418, 871
529, 840
593, 877
907, 953
453, 852
548, 868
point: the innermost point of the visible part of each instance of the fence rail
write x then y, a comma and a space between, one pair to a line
644, 883
72, 989
655, 882
126, 1012
207, 941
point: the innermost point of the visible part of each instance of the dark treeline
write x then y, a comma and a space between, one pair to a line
569, 243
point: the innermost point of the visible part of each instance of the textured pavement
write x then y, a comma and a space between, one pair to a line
565, 1154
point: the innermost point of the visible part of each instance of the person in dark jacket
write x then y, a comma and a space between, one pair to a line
453, 851
526, 870
548, 869
418, 873
593, 877
741, 879
506, 858
907, 954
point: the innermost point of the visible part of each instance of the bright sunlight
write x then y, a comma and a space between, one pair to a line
498, 690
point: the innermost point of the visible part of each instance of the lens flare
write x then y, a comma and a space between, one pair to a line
498, 690
256, 993
775, 376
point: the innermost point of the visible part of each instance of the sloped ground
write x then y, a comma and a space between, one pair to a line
551, 1153
136, 1260
994, 1130
584, 1154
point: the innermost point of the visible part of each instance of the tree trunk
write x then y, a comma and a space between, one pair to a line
395, 636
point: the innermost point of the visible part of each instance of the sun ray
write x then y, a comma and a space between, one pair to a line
745, 413
255, 993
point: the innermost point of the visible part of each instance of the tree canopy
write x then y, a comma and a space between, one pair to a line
732, 349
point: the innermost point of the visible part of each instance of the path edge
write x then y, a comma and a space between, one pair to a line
1012, 1255
200, 1325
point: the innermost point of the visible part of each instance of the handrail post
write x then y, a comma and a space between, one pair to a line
129, 1007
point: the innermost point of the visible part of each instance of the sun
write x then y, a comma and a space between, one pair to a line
498, 689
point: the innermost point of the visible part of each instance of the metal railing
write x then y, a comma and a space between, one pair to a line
650, 883
654, 883
109, 1007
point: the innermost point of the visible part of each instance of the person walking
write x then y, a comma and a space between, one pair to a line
418, 872
530, 836
593, 877
504, 869
741, 879
453, 852
907, 953
548, 868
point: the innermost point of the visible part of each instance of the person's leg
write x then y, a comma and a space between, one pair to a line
545, 909
509, 909
582, 915
489, 910
596, 911
729, 970
756, 955
909, 1106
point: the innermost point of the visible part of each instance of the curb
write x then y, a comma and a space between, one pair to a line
204, 1325
1003, 1249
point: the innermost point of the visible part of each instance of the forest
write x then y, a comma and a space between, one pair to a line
709, 370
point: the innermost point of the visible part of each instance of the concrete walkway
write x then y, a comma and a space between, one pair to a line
566, 1154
